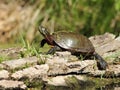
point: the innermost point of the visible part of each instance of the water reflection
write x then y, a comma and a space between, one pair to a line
112, 86
85, 86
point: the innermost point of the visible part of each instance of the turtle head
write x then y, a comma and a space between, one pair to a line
43, 31
46, 35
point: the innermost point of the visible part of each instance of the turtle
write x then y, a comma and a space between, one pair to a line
75, 43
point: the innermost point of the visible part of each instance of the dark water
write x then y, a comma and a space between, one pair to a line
112, 86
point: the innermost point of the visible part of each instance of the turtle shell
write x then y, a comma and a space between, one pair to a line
73, 42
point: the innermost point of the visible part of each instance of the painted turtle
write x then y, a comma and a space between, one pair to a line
73, 42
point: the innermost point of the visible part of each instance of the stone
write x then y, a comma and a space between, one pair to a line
37, 71
13, 64
66, 56
4, 74
112, 70
12, 85
80, 65
108, 47
118, 38
64, 80
63, 54
12, 53
56, 59
61, 57
117, 88
115, 69
100, 40
69, 67
57, 81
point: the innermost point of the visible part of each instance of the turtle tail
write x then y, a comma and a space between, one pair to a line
101, 63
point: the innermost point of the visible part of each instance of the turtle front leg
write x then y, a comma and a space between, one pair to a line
52, 50
42, 43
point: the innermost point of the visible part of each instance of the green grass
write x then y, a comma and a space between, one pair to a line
87, 17
33, 50
77, 15
4, 58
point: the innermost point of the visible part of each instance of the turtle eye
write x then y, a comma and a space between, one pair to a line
43, 31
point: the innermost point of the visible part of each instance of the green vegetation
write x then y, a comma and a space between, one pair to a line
3, 58
87, 17
32, 50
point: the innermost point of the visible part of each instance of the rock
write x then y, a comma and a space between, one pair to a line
79, 65
112, 71
108, 47
66, 55
56, 59
117, 88
13, 64
118, 38
100, 40
105, 43
12, 85
97, 73
4, 74
37, 71
57, 69
72, 58
69, 67
61, 57
12, 52
1, 66
80, 77
63, 80
67, 80
57, 81
63, 54
113, 56
115, 69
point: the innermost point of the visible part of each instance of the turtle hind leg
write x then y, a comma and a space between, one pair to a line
52, 50
101, 63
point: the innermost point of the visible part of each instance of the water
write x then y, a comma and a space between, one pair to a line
112, 86
92, 84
